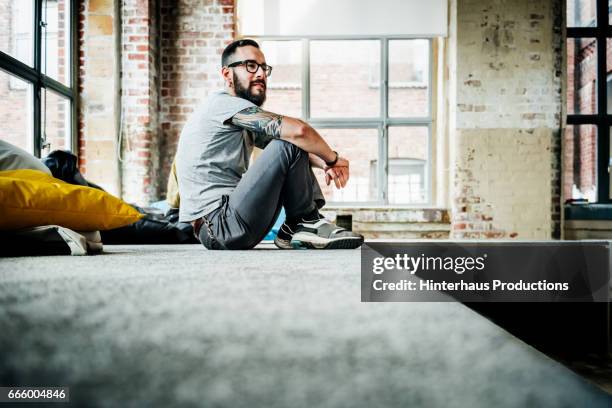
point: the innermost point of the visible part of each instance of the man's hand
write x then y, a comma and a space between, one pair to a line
339, 173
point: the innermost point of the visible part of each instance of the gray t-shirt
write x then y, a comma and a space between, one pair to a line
212, 154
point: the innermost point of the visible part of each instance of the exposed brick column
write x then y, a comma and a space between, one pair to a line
506, 176
169, 61
193, 35
139, 101
98, 87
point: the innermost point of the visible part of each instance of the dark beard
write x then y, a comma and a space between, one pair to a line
245, 93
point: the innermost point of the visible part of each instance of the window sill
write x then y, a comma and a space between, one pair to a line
387, 222
588, 211
588, 221
381, 207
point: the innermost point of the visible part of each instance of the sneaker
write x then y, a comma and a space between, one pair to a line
322, 234
283, 238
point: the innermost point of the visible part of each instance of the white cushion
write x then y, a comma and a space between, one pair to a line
15, 158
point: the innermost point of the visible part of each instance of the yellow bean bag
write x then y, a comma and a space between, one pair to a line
30, 198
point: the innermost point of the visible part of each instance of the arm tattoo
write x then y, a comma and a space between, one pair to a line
259, 121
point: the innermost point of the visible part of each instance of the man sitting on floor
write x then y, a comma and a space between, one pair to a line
232, 208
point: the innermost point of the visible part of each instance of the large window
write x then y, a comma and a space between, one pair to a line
37, 75
587, 163
370, 98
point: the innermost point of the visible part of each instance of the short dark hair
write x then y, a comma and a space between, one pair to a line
231, 49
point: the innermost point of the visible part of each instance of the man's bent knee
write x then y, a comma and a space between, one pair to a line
292, 152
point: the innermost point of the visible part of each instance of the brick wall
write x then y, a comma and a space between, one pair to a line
193, 35
139, 101
580, 142
98, 88
506, 182
169, 61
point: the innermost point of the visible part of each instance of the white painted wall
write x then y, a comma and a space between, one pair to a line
342, 17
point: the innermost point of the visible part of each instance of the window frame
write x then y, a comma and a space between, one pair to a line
382, 123
601, 120
41, 82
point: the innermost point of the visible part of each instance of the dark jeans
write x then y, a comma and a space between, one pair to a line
280, 177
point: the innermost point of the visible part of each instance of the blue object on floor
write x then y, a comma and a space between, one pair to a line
160, 205
279, 221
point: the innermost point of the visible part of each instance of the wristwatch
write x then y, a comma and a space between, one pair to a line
333, 162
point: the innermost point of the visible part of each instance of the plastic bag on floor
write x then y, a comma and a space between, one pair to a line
155, 228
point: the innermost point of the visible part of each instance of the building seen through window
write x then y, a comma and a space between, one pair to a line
337, 87
27, 71
586, 152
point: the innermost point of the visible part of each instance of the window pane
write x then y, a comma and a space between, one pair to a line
408, 161
16, 22
360, 147
56, 40
16, 112
581, 13
580, 162
343, 79
581, 76
56, 122
284, 93
408, 78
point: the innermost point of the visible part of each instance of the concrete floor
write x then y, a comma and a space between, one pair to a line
181, 326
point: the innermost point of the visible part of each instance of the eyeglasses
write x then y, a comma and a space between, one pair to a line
252, 66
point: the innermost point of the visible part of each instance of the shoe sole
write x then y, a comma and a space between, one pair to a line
338, 243
282, 243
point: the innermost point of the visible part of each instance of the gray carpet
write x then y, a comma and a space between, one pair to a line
181, 326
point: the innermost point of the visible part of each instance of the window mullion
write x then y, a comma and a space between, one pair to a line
383, 167
582, 119
602, 18
603, 140
581, 32
430, 65
17, 68
36, 91
429, 167
58, 87
383, 164
37, 35
306, 79
384, 78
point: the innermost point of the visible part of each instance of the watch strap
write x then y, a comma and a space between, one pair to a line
333, 162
